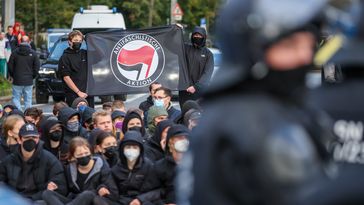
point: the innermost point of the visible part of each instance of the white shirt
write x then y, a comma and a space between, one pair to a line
3, 48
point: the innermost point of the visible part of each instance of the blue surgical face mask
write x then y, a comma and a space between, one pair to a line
158, 103
73, 126
82, 108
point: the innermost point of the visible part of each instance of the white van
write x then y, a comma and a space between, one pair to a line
98, 17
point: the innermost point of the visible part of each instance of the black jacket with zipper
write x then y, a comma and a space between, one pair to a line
42, 168
140, 182
99, 177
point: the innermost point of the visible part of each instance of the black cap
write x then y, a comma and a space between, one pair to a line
28, 129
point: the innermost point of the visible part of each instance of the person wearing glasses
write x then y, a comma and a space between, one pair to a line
163, 97
30, 170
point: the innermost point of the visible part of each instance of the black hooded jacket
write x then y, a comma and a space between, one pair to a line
130, 116
61, 152
153, 149
138, 183
31, 178
23, 65
74, 64
146, 104
63, 116
99, 177
5, 149
200, 63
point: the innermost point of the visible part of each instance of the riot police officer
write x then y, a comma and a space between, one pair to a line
258, 142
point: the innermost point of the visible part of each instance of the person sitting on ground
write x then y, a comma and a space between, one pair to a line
155, 147
79, 104
88, 177
118, 105
189, 104
102, 120
176, 145
30, 170
34, 115
53, 139
117, 121
107, 106
70, 119
57, 107
106, 146
163, 97
133, 121
10, 140
8, 108
149, 102
156, 114
87, 122
134, 174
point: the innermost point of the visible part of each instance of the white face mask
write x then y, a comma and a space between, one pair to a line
131, 154
158, 103
181, 145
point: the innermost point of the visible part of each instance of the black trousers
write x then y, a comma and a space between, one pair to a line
70, 97
54, 198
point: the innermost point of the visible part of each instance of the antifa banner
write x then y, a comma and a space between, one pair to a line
129, 61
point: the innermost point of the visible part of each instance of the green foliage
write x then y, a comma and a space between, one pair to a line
59, 13
5, 87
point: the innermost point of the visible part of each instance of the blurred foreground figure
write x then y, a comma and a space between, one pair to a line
269, 148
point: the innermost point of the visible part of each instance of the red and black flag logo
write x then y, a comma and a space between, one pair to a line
137, 60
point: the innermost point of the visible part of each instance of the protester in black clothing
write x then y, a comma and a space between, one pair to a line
163, 97
31, 170
70, 119
23, 67
176, 145
73, 69
35, 115
10, 138
107, 147
133, 174
53, 139
200, 64
87, 122
8, 108
89, 178
133, 121
155, 147
189, 104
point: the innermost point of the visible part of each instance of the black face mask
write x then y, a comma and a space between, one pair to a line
83, 161
29, 145
286, 83
136, 128
110, 152
198, 41
76, 46
55, 136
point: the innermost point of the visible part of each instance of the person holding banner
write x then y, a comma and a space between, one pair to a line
73, 68
200, 64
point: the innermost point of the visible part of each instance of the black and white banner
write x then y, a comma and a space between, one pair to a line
129, 61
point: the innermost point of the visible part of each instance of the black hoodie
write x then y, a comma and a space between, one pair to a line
64, 115
23, 65
153, 149
200, 63
128, 117
62, 150
138, 183
74, 64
